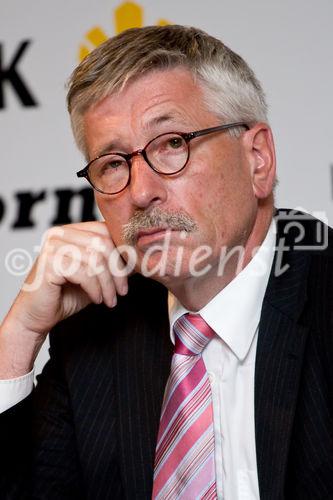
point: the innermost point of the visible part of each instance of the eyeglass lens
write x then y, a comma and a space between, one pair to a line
167, 154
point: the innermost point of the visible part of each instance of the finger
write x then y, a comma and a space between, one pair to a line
68, 234
99, 227
99, 258
118, 271
74, 272
108, 288
72, 263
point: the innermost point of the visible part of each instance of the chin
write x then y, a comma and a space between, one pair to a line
160, 267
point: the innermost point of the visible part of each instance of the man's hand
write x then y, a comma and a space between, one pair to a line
72, 270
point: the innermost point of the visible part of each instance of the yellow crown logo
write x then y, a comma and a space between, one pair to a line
126, 15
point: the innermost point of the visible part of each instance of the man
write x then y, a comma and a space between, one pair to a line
174, 129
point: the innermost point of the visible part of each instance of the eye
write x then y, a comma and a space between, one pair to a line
176, 142
113, 164
109, 166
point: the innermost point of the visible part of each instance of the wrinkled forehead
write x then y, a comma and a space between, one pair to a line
146, 106
179, 78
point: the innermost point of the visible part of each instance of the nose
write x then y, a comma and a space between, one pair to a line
147, 187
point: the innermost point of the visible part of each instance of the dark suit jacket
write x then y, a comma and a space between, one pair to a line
89, 429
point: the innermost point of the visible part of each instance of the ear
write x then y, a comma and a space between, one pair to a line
260, 152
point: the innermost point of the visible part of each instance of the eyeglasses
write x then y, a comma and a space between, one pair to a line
166, 154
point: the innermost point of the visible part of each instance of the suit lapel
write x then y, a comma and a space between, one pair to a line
281, 342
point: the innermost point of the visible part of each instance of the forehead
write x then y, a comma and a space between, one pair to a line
145, 106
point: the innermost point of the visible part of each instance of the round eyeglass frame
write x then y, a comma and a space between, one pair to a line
187, 136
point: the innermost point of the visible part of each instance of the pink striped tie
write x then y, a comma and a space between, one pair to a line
184, 460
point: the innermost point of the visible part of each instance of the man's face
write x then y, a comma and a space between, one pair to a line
215, 190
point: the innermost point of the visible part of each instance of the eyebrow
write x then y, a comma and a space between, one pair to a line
109, 148
158, 120
174, 117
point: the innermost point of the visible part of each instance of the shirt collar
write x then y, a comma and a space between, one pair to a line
234, 313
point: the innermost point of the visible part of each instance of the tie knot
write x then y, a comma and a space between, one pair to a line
192, 334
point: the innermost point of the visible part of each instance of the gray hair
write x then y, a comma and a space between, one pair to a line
231, 89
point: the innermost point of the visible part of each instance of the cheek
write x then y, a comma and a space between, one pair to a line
200, 193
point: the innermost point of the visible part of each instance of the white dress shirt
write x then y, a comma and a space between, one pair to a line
12, 391
234, 315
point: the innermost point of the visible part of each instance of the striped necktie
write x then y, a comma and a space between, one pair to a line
184, 459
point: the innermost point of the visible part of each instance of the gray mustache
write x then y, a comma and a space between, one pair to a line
156, 217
